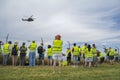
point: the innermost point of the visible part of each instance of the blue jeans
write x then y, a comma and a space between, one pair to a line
50, 57
5, 59
22, 59
32, 58
75, 59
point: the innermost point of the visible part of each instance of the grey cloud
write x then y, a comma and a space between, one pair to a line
78, 20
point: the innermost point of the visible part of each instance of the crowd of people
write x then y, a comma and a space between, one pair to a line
87, 55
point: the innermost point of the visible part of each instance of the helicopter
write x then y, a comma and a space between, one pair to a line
29, 19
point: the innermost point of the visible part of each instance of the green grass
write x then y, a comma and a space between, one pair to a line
102, 72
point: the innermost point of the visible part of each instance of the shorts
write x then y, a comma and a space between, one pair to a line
89, 59
111, 57
41, 56
82, 56
75, 59
50, 57
57, 57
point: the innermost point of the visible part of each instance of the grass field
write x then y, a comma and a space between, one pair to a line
102, 72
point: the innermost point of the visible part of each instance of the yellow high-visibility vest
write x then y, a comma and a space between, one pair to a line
111, 52
68, 51
57, 45
94, 51
49, 52
6, 48
76, 50
33, 46
88, 53
83, 49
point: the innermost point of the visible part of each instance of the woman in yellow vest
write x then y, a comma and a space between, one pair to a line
32, 53
6, 52
49, 54
57, 52
88, 56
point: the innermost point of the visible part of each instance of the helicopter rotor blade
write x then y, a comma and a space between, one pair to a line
23, 19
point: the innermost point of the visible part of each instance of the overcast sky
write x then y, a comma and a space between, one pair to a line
75, 20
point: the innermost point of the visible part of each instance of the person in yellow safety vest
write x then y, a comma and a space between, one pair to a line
68, 56
15, 49
83, 51
88, 56
95, 59
0, 47
6, 52
79, 57
23, 52
32, 53
107, 54
64, 60
111, 55
116, 55
57, 52
49, 54
101, 57
75, 52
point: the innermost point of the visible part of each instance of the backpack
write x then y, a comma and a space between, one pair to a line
40, 49
23, 49
14, 50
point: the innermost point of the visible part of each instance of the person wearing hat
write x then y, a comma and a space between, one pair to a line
6, 52
15, 49
57, 52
